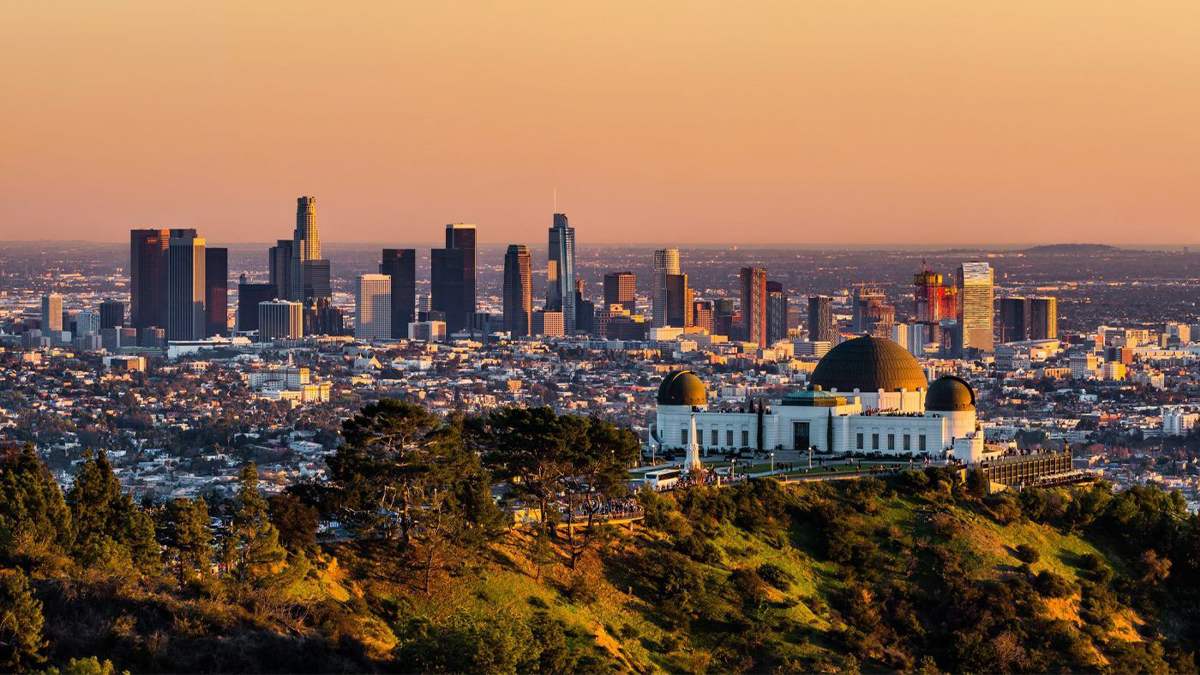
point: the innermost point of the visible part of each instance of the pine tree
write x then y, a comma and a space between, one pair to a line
112, 532
255, 540
188, 537
21, 623
34, 518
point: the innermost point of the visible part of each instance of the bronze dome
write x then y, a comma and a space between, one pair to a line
682, 387
868, 364
950, 394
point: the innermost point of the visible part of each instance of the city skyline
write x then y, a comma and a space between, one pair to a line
785, 124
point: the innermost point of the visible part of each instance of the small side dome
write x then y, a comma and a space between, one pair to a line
950, 394
682, 387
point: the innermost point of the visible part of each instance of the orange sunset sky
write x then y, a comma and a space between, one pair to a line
807, 122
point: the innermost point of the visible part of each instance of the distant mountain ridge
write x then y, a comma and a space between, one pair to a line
1072, 248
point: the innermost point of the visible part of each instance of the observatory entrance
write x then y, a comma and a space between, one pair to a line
800, 439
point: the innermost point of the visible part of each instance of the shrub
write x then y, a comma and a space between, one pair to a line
1028, 554
776, 576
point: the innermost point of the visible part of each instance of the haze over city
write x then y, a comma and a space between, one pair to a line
826, 123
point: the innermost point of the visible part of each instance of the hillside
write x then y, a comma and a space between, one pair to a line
919, 572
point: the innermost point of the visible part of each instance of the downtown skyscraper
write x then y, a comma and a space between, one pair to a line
754, 305
666, 263
452, 277
306, 244
518, 290
186, 276
401, 265
976, 312
560, 271
148, 277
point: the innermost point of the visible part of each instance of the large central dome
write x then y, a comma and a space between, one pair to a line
869, 364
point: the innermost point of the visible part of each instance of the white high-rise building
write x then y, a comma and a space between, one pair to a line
666, 263
373, 307
976, 300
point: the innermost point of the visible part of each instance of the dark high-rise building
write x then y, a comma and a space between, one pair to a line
112, 314
249, 297
867, 305
1043, 318
777, 310
279, 258
754, 305
461, 237
821, 327
560, 282
148, 277
723, 313
679, 301
585, 310
518, 290
186, 261
446, 287
401, 265
216, 291
1014, 319
315, 282
620, 288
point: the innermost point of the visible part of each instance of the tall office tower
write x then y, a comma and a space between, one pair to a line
702, 314
1014, 319
52, 313
933, 300
821, 327
401, 265
148, 277
585, 310
679, 301
777, 312
373, 307
249, 296
186, 265
518, 290
560, 271
723, 312
867, 306
461, 237
216, 291
1043, 318
112, 314
446, 287
279, 259
279, 320
306, 243
666, 262
976, 305
620, 288
754, 305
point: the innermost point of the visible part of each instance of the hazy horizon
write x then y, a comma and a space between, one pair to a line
697, 123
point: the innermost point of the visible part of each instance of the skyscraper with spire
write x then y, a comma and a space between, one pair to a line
666, 264
560, 271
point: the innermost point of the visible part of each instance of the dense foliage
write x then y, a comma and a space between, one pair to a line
403, 561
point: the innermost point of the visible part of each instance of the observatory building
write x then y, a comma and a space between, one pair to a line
866, 395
